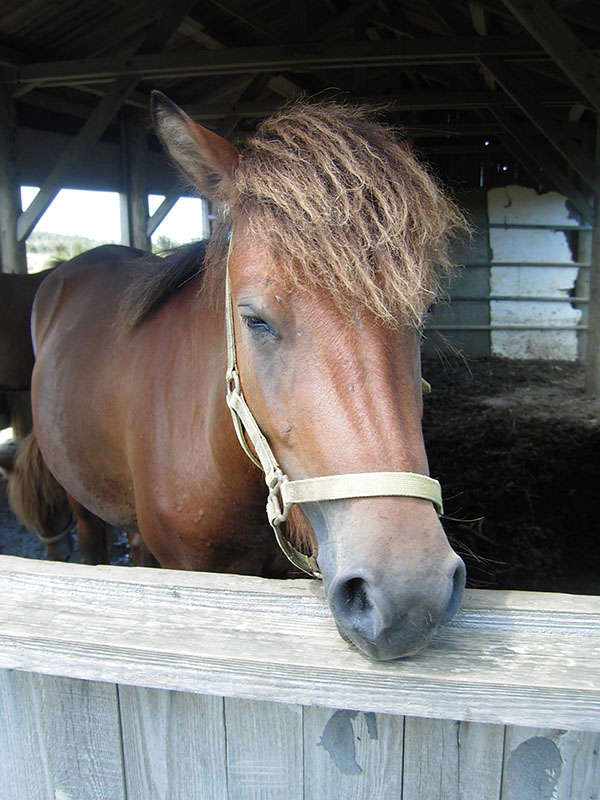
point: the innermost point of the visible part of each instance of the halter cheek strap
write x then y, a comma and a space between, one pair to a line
283, 493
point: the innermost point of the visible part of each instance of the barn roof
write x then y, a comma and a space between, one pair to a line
486, 88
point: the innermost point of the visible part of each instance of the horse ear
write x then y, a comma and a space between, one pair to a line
204, 157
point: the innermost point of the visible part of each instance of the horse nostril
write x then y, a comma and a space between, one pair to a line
458, 585
354, 596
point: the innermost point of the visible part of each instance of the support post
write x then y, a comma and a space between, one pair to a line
134, 191
592, 366
13, 255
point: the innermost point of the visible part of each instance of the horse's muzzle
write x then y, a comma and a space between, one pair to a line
392, 622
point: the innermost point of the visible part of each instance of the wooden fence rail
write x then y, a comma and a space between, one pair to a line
121, 684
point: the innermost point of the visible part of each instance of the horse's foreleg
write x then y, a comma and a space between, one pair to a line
140, 555
92, 534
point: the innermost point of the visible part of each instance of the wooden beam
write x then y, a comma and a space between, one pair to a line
404, 101
134, 190
99, 120
251, 92
566, 49
592, 358
161, 212
252, 21
277, 58
541, 167
478, 18
514, 86
13, 257
90, 132
344, 19
524, 658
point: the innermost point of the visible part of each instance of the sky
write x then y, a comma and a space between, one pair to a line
96, 215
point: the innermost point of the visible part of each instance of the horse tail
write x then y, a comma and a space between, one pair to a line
34, 494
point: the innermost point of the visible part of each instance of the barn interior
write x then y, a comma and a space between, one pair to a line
500, 98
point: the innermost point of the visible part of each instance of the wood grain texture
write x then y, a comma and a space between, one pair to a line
508, 657
173, 745
60, 738
452, 760
264, 750
21, 773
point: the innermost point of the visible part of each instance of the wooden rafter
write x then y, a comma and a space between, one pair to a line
272, 59
161, 212
90, 132
539, 165
546, 123
98, 121
566, 49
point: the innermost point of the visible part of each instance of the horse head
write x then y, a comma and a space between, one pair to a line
325, 339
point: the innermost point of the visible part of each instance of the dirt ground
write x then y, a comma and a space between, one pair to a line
516, 446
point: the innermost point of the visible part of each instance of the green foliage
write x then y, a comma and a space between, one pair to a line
56, 245
162, 243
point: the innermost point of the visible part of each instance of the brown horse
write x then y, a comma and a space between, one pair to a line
337, 236
50, 518
16, 351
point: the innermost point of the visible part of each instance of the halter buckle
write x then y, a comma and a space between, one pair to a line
277, 510
232, 381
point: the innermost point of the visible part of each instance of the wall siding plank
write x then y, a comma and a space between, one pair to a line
480, 751
447, 760
72, 739
174, 745
430, 759
542, 763
264, 750
23, 770
350, 755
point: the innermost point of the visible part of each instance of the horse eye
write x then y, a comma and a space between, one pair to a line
257, 325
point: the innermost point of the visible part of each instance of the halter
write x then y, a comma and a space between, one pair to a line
283, 493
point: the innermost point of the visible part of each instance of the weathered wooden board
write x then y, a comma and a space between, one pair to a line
59, 739
553, 763
173, 744
264, 759
351, 755
508, 657
453, 760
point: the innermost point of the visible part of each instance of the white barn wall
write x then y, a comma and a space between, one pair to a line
514, 206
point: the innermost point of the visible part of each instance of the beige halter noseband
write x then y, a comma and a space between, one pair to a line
283, 493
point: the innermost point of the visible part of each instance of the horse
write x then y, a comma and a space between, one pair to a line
50, 518
294, 333
16, 351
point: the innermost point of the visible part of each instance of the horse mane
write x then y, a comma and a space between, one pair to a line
345, 207
158, 279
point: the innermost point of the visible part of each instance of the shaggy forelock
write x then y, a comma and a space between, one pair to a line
346, 207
